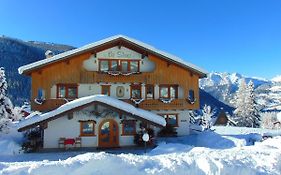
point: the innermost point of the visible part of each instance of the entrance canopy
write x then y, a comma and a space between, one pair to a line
77, 104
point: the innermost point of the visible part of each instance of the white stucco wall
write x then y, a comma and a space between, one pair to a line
92, 64
63, 127
183, 120
70, 128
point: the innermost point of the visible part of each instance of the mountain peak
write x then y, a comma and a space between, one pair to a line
277, 78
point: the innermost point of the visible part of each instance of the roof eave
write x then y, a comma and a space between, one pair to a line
27, 71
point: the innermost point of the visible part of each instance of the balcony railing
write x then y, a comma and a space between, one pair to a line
48, 105
156, 104
139, 77
150, 104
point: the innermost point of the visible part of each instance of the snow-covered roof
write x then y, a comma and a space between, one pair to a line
94, 98
88, 47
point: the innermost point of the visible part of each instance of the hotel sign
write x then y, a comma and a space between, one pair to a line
115, 52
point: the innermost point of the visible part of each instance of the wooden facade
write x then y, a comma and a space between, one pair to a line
71, 71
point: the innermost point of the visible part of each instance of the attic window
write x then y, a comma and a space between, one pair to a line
119, 65
104, 65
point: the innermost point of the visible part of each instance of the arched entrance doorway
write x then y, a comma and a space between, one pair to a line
108, 134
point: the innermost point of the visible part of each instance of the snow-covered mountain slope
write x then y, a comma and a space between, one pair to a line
15, 53
224, 85
276, 79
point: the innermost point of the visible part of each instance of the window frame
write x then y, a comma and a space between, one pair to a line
119, 64
67, 86
134, 86
105, 86
40, 94
169, 91
166, 116
146, 88
87, 134
123, 127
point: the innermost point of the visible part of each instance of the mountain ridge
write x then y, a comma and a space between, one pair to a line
223, 87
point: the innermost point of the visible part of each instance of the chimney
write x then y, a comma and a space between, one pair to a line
49, 54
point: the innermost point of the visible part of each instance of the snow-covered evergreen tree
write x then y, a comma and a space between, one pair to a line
270, 121
239, 100
207, 115
246, 112
6, 107
253, 106
202, 118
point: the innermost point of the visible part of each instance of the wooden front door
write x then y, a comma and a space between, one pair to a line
108, 134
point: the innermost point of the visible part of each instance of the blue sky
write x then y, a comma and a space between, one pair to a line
218, 35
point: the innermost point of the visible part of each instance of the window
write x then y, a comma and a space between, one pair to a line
114, 65
134, 66
168, 91
87, 128
61, 92
119, 65
149, 92
164, 92
41, 94
72, 92
67, 91
104, 65
124, 66
105, 89
191, 97
171, 119
136, 91
129, 127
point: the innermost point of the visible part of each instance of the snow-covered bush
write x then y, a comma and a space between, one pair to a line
270, 121
17, 113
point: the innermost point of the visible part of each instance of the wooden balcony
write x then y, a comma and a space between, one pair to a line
104, 77
151, 104
48, 105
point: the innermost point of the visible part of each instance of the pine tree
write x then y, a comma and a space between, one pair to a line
253, 112
207, 117
239, 100
246, 112
6, 106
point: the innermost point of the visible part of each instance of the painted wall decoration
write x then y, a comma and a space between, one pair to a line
120, 91
92, 64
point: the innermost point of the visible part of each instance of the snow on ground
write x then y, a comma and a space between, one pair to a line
10, 143
205, 153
